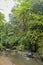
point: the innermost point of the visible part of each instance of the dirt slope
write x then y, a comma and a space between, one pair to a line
5, 61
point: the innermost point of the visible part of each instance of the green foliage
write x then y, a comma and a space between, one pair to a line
24, 31
20, 47
1, 16
1, 47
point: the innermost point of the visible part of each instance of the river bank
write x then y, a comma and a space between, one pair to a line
5, 60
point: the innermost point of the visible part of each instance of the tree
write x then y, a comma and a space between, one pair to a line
1, 29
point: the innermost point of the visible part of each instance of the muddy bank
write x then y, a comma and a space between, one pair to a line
5, 61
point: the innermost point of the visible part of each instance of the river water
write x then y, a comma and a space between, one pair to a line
21, 60
18, 59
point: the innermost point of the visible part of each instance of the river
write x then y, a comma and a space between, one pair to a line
18, 59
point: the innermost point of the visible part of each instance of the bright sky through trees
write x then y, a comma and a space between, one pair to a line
6, 6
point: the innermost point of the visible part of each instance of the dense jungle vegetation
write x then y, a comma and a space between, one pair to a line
24, 31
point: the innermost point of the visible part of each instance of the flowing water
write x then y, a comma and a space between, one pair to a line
18, 59
21, 60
